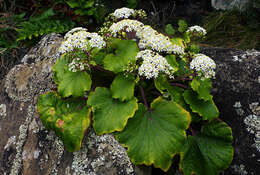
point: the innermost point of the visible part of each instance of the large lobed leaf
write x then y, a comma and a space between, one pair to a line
155, 136
208, 152
202, 87
123, 87
206, 109
109, 114
70, 83
69, 118
125, 53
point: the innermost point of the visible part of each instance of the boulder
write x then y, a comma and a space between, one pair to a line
27, 148
230, 4
236, 91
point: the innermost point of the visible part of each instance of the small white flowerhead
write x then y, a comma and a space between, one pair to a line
151, 39
153, 64
79, 38
203, 65
123, 13
77, 29
78, 64
196, 31
126, 25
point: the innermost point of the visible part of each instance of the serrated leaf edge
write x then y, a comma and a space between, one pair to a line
195, 111
171, 155
192, 172
124, 123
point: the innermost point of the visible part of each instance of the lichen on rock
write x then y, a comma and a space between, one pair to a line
252, 122
2, 110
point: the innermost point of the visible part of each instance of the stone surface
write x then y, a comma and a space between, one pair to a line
27, 148
237, 95
229, 4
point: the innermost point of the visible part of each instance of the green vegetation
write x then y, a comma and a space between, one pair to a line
42, 25
233, 29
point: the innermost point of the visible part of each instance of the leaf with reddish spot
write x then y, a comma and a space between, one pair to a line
69, 118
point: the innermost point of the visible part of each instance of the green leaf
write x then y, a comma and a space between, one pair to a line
98, 55
110, 115
125, 53
89, 4
182, 26
155, 136
186, 38
171, 59
70, 83
209, 152
202, 87
161, 83
123, 87
194, 48
69, 118
206, 109
177, 41
183, 68
73, 4
169, 29
45, 15
131, 3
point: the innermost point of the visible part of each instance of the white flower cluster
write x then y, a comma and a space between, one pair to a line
77, 64
197, 29
150, 38
81, 39
127, 24
123, 13
70, 33
153, 64
204, 66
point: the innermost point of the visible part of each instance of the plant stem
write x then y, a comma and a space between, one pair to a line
185, 77
179, 85
98, 67
192, 131
144, 98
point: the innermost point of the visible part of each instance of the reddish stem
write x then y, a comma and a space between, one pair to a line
179, 85
144, 98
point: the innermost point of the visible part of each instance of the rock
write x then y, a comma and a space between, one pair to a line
236, 91
27, 148
230, 4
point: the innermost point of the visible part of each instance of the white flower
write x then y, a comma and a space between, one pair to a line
153, 64
77, 64
204, 66
77, 29
81, 39
127, 24
123, 13
197, 29
151, 39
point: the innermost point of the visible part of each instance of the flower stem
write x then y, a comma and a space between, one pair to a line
144, 98
100, 68
179, 85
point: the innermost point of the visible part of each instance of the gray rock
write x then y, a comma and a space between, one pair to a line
27, 148
230, 4
237, 95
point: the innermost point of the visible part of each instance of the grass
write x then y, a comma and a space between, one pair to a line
233, 29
